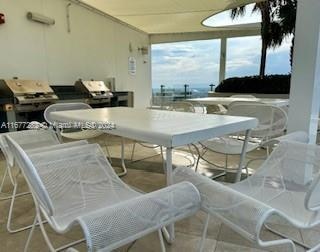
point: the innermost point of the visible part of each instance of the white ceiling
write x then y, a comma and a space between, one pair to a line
166, 16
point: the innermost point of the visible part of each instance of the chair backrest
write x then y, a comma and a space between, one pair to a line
71, 180
243, 96
181, 107
272, 120
63, 107
27, 139
31, 175
292, 167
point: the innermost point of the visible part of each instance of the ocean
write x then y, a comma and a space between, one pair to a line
178, 91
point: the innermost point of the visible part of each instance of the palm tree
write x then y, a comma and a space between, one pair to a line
278, 21
287, 13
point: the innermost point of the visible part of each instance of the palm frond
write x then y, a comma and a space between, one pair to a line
238, 12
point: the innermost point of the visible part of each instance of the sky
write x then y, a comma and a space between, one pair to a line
197, 62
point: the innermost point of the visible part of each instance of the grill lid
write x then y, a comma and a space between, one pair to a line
27, 91
96, 89
23, 87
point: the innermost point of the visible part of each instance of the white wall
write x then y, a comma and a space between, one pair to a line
97, 47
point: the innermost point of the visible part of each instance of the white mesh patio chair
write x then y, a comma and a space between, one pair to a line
82, 133
79, 134
285, 188
216, 109
78, 186
297, 136
179, 106
222, 110
32, 141
184, 106
272, 123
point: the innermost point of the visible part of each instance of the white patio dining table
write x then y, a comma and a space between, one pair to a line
169, 129
227, 100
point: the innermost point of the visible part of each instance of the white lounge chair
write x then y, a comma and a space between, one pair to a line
32, 141
287, 185
78, 186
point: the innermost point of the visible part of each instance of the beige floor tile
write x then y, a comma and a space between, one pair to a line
230, 247
289, 231
16, 242
194, 225
228, 235
311, 237
183, 242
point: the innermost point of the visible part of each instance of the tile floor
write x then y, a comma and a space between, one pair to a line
146, 175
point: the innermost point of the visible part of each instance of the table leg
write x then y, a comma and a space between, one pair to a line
243, 155
171, 237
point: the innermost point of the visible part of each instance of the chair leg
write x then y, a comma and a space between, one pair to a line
26, 246
197, 163
224, 173
43, 231
201, 156
108, 154
133, 149
144, 158
247, 171
8, 173
193, 157
4, 178
301, 244
124, 172
226, 163
2, 183
9, 220
163, 161
38, 221
204, 233
67, 246
163, 247
198, 158
166, 235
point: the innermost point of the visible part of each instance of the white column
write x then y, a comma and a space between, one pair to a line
305, 83
223, 59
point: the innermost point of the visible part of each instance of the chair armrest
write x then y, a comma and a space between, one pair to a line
239, 211
111, 227
312, 200
297, 136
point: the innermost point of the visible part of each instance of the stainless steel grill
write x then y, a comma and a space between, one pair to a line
23, 101
95, 89
27, 95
